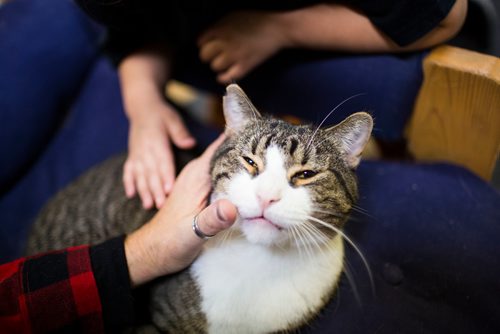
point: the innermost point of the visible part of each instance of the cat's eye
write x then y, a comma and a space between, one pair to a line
252, 167
304, 174
250, 162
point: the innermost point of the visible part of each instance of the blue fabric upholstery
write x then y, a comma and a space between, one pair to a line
429, 232
310, 84
45, 52
95, 128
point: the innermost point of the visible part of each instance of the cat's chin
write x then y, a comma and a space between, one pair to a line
262, 231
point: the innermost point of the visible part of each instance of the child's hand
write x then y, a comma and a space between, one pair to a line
240, 42
150, 167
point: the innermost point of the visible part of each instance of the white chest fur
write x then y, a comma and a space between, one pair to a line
249, 288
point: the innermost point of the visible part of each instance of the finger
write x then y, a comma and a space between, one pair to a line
217, 217
128, 179
205, 37
220, 63
179, 133
167, 171
210, 50
232, 74
143, 190
156, 188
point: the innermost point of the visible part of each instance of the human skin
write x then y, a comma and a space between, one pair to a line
154, 125
167, 243
233, 47
243, 40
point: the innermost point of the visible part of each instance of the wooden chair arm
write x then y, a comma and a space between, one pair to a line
456, 117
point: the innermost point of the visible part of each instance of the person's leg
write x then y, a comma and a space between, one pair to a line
45, 51
95, 129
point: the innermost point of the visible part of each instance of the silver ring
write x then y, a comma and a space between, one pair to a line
197, 230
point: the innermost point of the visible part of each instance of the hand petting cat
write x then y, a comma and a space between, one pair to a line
167, 244
240, 42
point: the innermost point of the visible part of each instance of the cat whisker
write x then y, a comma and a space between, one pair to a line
352, 282
292, 232
326, 117
347, 267
353, 245
312, 237
335, 214
305, 238
361, 210
304, 243
339, 215
306, 235
225, 236
301, 214
317, 233
318, 238
308, 232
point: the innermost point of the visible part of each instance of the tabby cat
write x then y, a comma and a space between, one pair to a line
279, 264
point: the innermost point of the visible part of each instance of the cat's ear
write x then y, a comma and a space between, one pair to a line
238, 109
351, 136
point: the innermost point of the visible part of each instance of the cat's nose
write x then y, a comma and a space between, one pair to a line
266, 201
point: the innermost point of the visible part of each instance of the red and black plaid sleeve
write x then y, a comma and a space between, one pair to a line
76, 290
52, 292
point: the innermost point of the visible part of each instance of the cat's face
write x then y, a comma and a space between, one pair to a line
292, 185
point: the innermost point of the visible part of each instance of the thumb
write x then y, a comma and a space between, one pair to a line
217, 217
179, 133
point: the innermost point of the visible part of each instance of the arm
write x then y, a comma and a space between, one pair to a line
241, 41
154, 123
89, 288
341, 28
133, 28
92, 285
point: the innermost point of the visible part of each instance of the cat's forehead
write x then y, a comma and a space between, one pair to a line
298, 144
276, 129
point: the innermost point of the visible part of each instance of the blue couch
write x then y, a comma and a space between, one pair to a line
430, 232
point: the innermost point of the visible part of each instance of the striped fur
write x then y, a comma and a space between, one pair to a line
315, 166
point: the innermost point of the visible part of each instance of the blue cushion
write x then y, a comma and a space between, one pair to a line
45, 51
431, 235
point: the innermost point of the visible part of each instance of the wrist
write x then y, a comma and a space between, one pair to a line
142, 98
143, 78
142, 252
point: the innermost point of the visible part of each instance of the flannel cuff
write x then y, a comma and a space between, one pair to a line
113, 282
